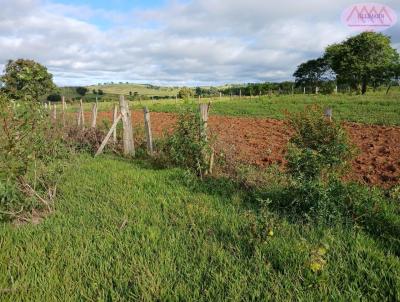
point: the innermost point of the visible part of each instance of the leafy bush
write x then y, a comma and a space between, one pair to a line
185, 93
186, 146
318, 147
28, 144
54, 97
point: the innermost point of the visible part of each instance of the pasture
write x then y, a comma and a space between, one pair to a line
141, 89
369, 109
125, 230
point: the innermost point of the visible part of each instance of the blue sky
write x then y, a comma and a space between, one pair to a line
172, 42
116, 6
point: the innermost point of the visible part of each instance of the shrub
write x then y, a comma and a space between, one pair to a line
81, 90
185, 146
318, 147
28, 142
55, 97
185, 93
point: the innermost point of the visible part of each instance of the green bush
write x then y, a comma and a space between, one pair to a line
318, 147
186, 147
29, 143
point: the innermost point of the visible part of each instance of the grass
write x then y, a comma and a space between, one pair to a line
368, 109
125, 230
141, 89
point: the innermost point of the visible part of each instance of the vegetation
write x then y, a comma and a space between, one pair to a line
81, 90
26, 80
141, 89
185, 93
365, 59
28, 145
318, 147
167, 235
187, 146
54, 97
375, 108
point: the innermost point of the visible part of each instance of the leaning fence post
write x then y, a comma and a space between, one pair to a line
328, 114
94, 115
104, 142
129, 146
147, 126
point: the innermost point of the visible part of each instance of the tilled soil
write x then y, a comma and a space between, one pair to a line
263, 142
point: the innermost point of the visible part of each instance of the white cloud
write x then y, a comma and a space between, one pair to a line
200, 42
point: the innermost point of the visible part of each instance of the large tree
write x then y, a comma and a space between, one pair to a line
26, 79
362, 60
313, 72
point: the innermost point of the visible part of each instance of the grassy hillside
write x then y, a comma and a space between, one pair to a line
125, 230
141, 89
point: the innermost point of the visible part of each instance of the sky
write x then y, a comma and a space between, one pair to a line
172, 42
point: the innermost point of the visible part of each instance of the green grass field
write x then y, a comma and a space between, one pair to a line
369, 109
141, 89
125, 230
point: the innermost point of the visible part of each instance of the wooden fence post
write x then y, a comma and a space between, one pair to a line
147, 127
94, 115
81, 115
129, 146
115, 116
54, 114
204, 119
63, 110
328, 114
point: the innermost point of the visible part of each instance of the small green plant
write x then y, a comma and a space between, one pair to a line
186, 146
318, 147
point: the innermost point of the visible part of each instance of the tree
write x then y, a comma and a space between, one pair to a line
27, 80
94, 91
81, 90
54, 97
100, 92
362, 59
313, 73
185, 93
198, 91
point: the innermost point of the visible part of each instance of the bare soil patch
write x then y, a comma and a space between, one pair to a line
262, 142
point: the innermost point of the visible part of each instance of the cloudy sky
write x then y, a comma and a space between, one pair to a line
198, 42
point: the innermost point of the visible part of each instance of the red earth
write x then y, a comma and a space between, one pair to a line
263, 142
